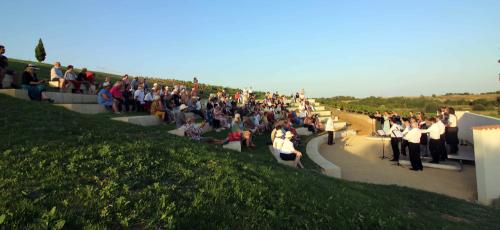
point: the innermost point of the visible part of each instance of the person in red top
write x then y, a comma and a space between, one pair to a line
116, 92
237, 96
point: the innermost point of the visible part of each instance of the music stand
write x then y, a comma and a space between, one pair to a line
382, 134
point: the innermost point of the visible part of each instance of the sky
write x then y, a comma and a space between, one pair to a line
354, 48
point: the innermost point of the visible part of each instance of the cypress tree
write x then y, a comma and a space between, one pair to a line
40, 51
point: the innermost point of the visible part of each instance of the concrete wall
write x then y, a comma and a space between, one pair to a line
487, 152
467, 120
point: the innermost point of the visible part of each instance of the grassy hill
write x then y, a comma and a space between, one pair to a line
63, 169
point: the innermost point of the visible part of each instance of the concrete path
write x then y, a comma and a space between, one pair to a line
359, 160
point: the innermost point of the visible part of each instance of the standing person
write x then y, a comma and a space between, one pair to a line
70, 76
394, 139
288, 151
135, 83
443, 154
194, 90
330, 129
4, 62
82, 78
452, 131
405, 142
56, 74
387, 123
424, 139
36, 89
139, 98
117, 96
434, 142
413, 136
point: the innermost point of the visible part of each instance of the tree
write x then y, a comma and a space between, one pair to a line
40, 51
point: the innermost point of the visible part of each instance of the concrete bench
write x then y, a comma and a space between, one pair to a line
303, 131
312, 150
276, 155
59, 98
233, 145
148, 120
323, 113
181, 131
317, 108
17, 93
70, 87
296, 104
84, 108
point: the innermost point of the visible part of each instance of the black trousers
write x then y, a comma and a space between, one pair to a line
404, 145
442, 148
434, 147
395, 148
416, 162
452, 139
330, 138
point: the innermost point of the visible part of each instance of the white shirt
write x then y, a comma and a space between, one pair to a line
139, 96
441, 127
452, 121
278, 144
329, 125
148, 97
405, 131
433, 131
287, 147
394, 127
56, 73
413, 135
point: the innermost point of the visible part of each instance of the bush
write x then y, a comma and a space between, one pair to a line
478, 107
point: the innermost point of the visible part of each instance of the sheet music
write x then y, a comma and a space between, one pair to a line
381, 132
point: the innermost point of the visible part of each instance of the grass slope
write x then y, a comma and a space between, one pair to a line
63, 169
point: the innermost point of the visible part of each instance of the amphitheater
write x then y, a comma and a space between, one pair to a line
356, 156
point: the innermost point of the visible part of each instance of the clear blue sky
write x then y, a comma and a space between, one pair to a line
358, 48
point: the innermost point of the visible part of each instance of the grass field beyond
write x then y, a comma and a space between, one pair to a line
61, 169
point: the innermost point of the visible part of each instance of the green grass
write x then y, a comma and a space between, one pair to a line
63, 169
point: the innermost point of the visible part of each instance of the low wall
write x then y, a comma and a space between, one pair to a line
467, 120
327, 167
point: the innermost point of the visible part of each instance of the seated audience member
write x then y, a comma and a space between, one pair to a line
180, 116
90, 78
195, 132
4, 62
71, 77
220, 118
195, 107
157, 108
117, 96
278, 141
105, 98
56, 74
36, 89
237, 129
309, 123
148, 99
139, 98
82, 78
288, 151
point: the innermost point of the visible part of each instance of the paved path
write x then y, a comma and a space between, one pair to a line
360, 161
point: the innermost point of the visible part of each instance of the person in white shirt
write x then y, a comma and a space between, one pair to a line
330, 128
288, 151
443, 155
56, 74
139, 98
413, 138
394, 139
452, 131
278, 141
404, 142
434, 142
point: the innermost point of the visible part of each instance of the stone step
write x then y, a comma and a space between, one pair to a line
234, 145
317, 108
323, 113
276, 156
310, 100
84, 108
59, 98
148, 120
448, 165
298, 104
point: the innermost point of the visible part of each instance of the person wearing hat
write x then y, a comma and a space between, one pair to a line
105, 98
278, 140
157, 108
56, 74
180, 116
36, 89
288, 151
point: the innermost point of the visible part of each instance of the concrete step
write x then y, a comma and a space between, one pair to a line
84, 108
276, 155
323, 113
59, 98
317, 108
447, 165
310, 100
148, 120
234, 145
298, 104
